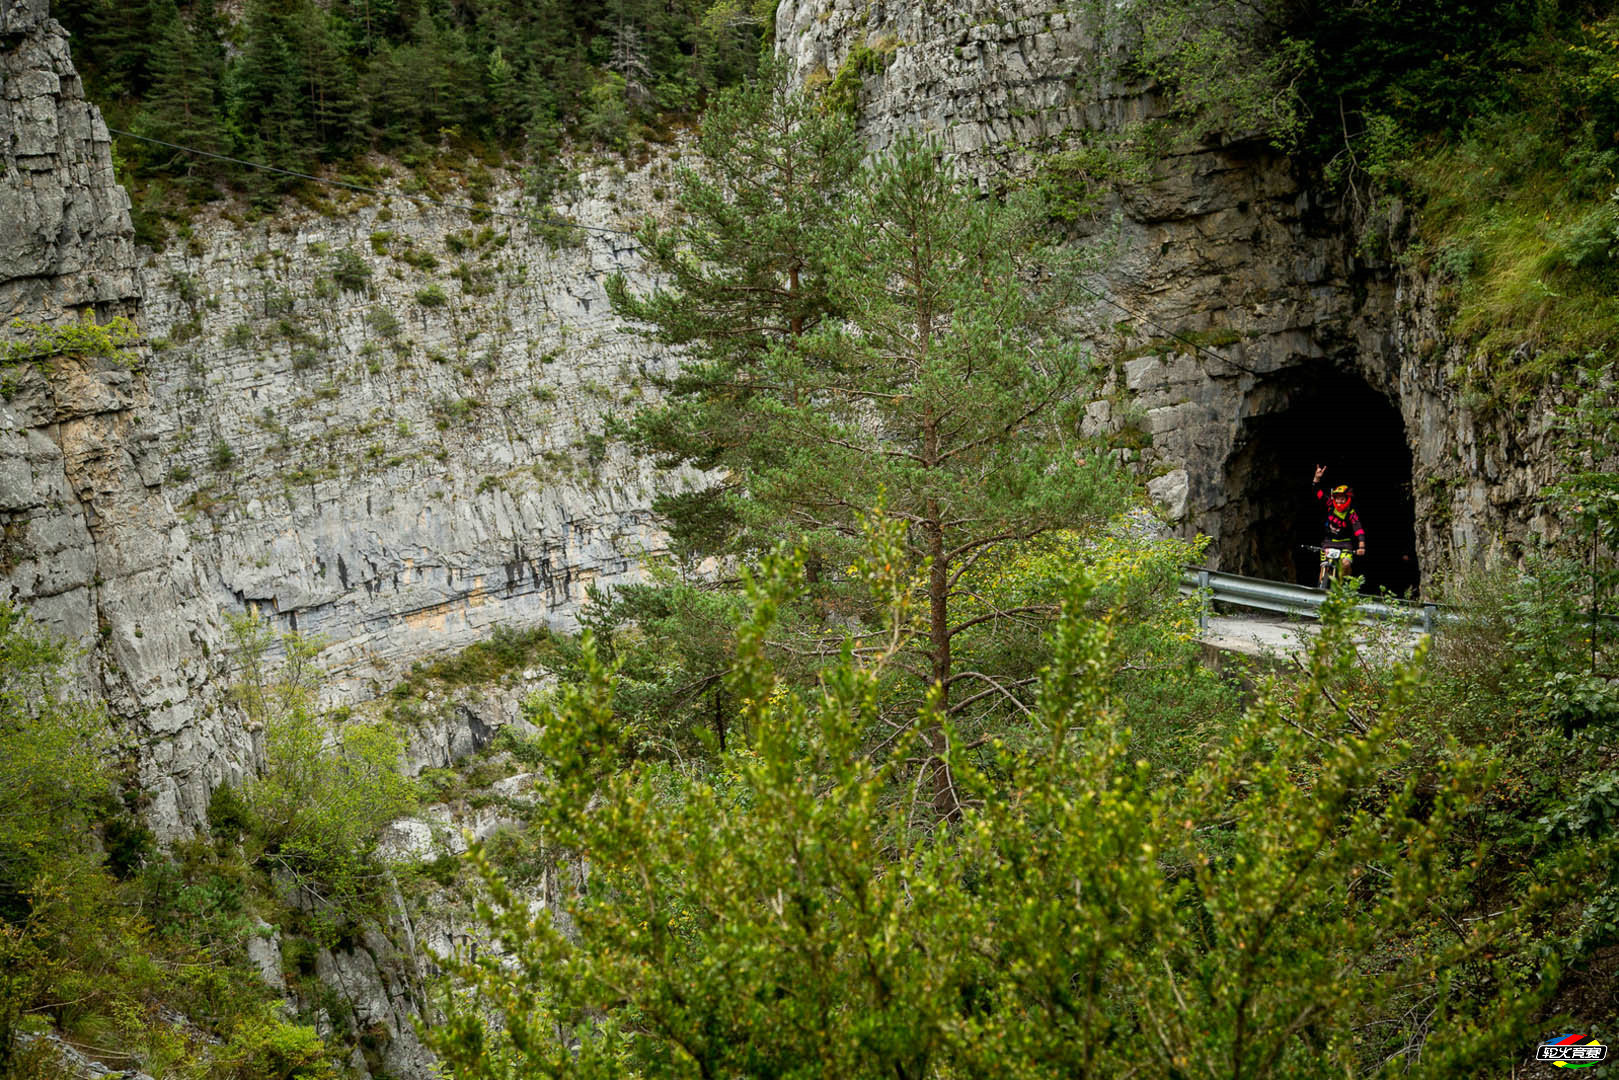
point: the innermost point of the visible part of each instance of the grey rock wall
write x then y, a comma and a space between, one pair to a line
1480, 472
89, 542
400, 457
66, 244
395, 453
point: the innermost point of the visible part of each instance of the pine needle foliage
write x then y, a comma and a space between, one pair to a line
744, 271
894, 345
782, 915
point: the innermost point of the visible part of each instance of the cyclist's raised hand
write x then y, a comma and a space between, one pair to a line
1320, 471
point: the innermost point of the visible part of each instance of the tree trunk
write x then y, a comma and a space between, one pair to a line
945, 804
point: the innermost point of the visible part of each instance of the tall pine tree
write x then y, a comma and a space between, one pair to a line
860, 341
183, 105
943, 394
744, 272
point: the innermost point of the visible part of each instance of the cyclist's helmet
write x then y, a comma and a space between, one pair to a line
1342, 495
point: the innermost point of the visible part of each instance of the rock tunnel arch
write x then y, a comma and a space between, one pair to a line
1303, 417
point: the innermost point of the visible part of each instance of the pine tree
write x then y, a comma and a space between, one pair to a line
746, 271
450, 79
182, 106
267, 97
859, 342
942, 395
394, 99
504, 93
129, 37
331, 85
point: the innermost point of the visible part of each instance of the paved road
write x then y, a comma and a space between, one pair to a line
1263, 634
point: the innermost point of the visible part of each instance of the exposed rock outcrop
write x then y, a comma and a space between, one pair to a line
66, 244
1479, 471
396, 452
384, 424
90, 544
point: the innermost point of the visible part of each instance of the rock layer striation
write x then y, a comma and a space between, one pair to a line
90, 544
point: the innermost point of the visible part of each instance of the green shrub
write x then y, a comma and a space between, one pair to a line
327, 788
229, 814
111, 962
350, 270
786, 912
421, 260
384, 322
185, 287
270, 1047
432, 296
278, 302
113, 340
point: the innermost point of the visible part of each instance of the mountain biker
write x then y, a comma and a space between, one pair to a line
1343, 528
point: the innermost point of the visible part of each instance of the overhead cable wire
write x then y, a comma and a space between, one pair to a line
424, 200
560, 224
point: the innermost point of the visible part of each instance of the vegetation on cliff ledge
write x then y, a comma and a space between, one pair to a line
299, 84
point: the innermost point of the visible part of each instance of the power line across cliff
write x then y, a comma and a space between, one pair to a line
533, 219
558, 223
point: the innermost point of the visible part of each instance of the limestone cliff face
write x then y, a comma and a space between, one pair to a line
1479, 472
1224, 243
66, 244
383, 424
90, 544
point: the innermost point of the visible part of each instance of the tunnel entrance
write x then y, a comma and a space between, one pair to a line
1331, 418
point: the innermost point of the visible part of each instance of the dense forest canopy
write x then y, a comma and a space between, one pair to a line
296, 83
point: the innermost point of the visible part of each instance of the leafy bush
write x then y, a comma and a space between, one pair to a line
327, 789
52, 779
149, 966
789, 912
268, 1046
384, 322
350, 270
113, 340
229, 815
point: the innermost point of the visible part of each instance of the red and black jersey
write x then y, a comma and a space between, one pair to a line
1341, 529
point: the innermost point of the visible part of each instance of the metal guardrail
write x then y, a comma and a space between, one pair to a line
1280, 596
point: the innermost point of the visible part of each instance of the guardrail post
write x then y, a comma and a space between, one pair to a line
1427, 618
1203, 599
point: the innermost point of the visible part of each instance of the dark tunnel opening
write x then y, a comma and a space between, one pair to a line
1331, 418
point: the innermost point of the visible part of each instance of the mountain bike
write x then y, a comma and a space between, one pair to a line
1335, 563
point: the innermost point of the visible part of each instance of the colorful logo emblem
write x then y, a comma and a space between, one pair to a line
1572, 1051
